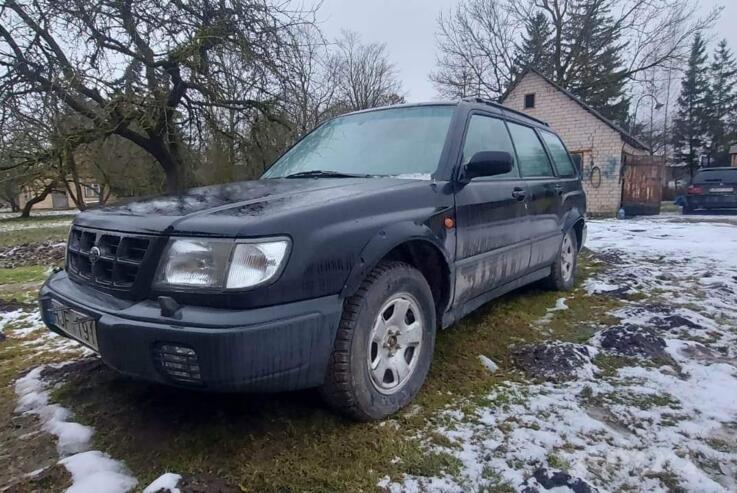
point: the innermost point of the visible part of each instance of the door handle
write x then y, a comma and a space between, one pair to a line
559, 188
519, 193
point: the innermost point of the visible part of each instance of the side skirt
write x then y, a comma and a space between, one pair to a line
454, 315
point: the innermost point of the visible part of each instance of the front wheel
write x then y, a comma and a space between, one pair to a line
384, 345
563, 274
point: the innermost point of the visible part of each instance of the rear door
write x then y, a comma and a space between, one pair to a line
491, 216
545, 204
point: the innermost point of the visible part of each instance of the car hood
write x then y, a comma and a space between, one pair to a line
224, 210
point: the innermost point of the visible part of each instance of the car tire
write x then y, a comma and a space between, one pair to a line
563, 274
380, 357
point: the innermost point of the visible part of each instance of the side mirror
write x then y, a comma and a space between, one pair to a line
488, 163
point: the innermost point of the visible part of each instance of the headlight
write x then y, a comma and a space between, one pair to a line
220, 264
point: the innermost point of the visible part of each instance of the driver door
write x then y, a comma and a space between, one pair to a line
493, 245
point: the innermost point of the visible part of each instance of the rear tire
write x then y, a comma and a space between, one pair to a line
563, 274
384, 345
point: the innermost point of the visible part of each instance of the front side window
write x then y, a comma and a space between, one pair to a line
560, 156
533, 160
487, 134
403, 142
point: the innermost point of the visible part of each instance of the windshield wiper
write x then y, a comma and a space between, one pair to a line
318, 173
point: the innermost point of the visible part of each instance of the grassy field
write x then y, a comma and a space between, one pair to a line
280, 442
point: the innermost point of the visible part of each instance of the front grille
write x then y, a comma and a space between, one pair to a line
106, 259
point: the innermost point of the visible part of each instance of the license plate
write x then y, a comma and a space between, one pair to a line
722, 189
77, 325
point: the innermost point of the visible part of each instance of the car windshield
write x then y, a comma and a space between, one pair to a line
716, 176
405, 142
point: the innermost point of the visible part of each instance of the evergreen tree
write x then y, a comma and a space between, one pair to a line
597, 75
721, 104
536, 45
691, 125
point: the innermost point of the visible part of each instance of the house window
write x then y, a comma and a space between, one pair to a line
91, 190
529, 101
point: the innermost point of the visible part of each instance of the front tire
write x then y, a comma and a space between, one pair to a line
384, 345
563, 274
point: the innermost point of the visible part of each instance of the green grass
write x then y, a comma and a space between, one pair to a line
20, 275
290, 442
33, 235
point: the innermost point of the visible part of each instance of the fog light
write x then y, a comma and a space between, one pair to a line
180, 363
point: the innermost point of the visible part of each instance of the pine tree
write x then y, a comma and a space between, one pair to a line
721, 104
536, 45
597, 75
691, 125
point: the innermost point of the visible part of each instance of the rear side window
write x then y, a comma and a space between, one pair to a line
716, 176
533, 160
486, 133
560, 156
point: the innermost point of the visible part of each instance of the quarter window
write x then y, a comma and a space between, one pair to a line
559, 154
487, 134
533, 160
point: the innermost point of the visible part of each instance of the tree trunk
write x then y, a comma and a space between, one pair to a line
26, 212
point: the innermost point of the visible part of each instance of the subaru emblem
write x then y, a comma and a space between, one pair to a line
95, 254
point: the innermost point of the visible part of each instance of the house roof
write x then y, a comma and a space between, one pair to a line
626, 136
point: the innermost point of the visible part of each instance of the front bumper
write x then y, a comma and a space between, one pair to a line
275, 348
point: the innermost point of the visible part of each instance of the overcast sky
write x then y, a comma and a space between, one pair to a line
408, 29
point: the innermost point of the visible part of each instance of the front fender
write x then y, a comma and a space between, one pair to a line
386, 240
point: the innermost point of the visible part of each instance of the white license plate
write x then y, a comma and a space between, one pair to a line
722, 189
77, 325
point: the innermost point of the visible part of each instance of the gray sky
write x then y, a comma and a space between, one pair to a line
408, 29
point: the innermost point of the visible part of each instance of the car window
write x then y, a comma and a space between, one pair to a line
486, 133
560, 156
533, 160
402, 141
716, 176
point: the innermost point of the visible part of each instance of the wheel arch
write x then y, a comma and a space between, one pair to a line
414, 245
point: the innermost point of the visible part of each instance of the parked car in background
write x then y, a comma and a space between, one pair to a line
712, 189
335, 269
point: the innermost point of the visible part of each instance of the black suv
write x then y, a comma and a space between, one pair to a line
333, 270
712, 189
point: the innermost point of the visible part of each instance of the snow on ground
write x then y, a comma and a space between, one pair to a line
646, 427
92, 471
12, 215
7, 227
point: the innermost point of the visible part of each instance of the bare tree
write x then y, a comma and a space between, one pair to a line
150, 72
365, 77
479, 39
476, 42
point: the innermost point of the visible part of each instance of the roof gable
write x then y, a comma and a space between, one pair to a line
626, 136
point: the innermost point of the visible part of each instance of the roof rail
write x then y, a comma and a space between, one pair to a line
476, 99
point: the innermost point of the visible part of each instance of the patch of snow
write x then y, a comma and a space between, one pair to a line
488, 363
639, 428
95, 472
33, 398
21, 226
166, 482
560, 304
